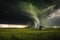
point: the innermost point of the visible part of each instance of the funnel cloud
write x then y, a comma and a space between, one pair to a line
28, 12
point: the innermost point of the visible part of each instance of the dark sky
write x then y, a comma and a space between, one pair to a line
9, 12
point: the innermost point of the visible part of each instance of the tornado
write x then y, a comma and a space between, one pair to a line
14, 12
24, 12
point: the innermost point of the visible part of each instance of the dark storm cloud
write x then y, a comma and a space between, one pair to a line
12, 11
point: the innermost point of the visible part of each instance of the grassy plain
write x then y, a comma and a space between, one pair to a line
29, 34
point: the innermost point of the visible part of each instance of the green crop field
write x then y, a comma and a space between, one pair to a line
29, 34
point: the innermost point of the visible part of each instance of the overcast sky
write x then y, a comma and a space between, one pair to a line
53, 19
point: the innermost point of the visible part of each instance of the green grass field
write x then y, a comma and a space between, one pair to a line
29, 34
